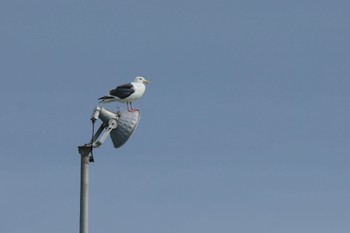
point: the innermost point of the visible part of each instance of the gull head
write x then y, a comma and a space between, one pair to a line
140, 79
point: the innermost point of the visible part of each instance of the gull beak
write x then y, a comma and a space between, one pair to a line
146, 81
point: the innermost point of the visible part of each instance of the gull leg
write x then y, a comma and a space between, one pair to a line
131, 108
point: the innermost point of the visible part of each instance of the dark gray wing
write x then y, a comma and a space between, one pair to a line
123, 91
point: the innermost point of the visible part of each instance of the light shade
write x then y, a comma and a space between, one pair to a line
127, 123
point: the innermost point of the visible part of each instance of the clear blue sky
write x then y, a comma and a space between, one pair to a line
245, 125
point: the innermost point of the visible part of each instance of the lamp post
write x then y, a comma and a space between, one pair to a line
85, 152
119, 126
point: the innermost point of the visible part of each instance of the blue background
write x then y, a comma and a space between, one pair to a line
244, 127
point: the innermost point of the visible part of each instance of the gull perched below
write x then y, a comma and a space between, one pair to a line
126, 93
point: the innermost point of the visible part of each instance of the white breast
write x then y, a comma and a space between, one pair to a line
139, 90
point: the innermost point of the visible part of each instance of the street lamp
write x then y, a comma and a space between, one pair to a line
119, 126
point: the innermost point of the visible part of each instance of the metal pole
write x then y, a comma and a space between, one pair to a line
85, 152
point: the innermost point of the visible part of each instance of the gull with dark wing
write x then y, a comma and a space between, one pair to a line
126, 93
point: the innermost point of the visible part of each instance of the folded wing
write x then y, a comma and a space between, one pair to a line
122, 91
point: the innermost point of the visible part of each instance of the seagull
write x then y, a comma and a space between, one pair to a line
126, 93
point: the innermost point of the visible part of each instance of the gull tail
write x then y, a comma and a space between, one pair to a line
106, 99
